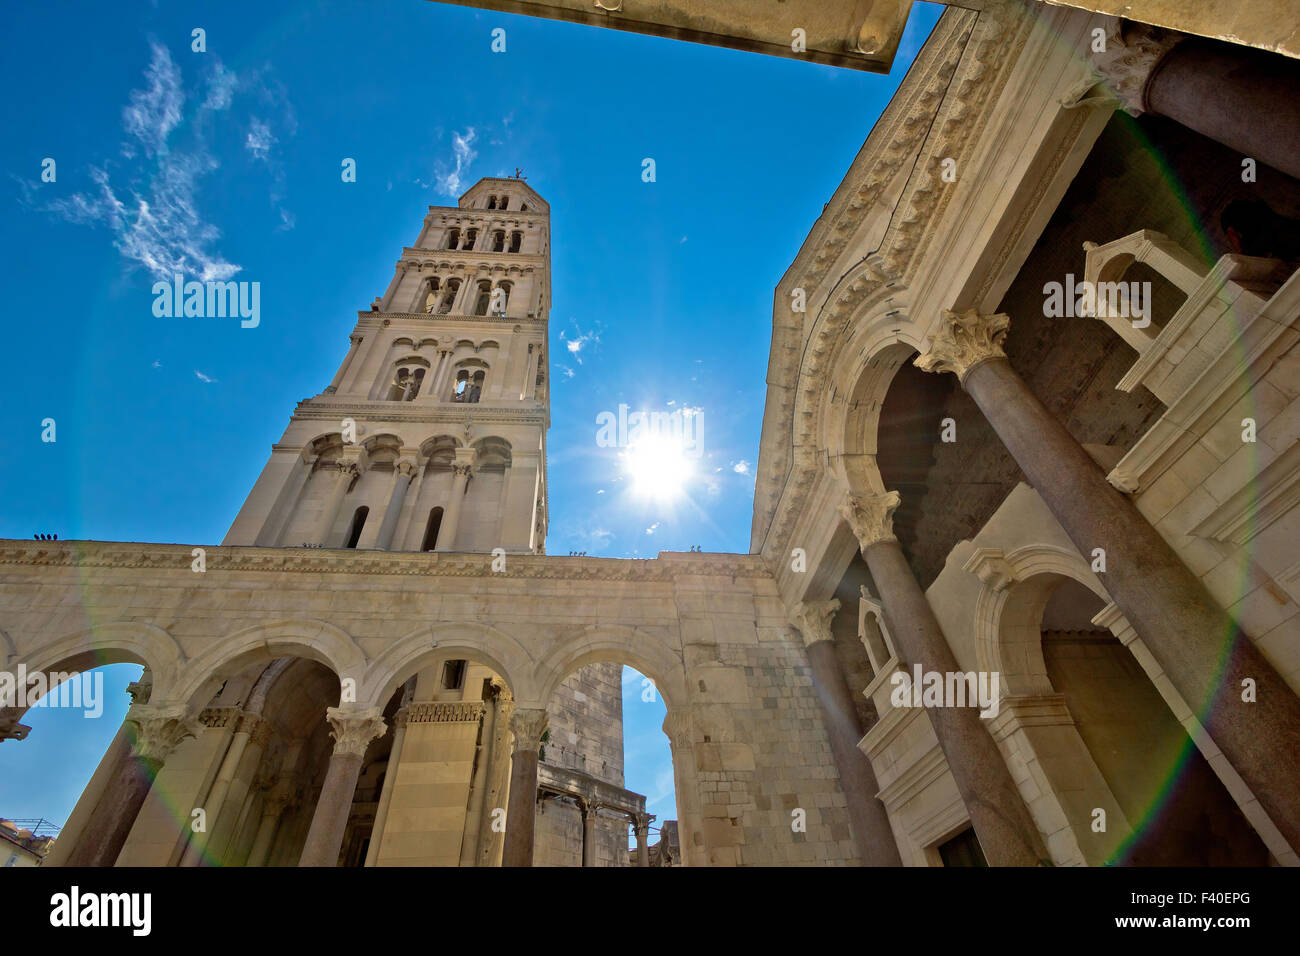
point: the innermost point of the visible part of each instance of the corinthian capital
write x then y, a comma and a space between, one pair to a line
159, 729
871, 517
1129, 59
963, 340
528, 724
353, 730
813, 619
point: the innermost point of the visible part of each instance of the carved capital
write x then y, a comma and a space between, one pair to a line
353, 730
963, 340
528, 725
462, 471
992, 568
405, 468
159, 729
813, 619
1132, 53
259, 729
680, 728
871, 517
347, 470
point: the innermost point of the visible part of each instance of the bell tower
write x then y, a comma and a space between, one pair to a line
432, 435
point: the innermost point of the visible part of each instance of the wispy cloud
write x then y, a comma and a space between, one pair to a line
653, 528
206, 379
450, 178
149, 196
579, 343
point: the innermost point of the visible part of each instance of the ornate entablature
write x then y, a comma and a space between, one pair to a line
940, 110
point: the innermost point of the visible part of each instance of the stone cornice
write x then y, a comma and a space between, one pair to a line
424, 256
179, 557
443, 712
330, 408
369, 320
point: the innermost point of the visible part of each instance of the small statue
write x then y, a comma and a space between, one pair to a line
429, 302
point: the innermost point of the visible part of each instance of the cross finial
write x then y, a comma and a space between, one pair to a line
519, 173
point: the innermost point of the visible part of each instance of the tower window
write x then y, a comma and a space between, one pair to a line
431, 530
499, 241
453, 675
470, 236
516, 240
505, 201
453, 238
430, 300
492, 202
501, 298
358, 522
469, 386
484, 297
449, 297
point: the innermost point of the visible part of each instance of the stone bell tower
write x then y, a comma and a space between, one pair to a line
432, 435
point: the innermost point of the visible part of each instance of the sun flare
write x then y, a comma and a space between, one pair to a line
658, 467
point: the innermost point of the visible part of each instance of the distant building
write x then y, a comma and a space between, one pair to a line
22, 847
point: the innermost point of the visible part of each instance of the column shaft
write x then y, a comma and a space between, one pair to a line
401, 482
521, 812
1199, 646
1006, 832
871, 830
330, 821
588, 836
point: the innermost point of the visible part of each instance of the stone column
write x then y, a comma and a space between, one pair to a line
194, 851
1247, 99
403, 472
641, 826
352, 732
527, 724
589, 815
1198, 645
273, 806
870, 820
1006, 831
462, 468
345, 472
390, 779
157, 729
489, 842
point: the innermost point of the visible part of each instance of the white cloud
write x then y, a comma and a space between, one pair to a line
203, 378
155, 110
156, 364
221, 88
260, 139
652, 528
740, 467
451, 181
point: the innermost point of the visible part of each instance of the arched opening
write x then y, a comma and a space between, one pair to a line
516, 240
501, 297
69, 720
444, 779
492, 202
431, 529
483, 293
453, 238
358, 522
499, 241
471, 236
449, 296
1136, 756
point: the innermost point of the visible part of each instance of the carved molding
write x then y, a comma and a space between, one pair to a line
452, 712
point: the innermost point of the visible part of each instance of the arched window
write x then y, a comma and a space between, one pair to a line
429, 301
406, 383
453, 238
505, 201
524, 208
499, 241
484, 297
431, 530
516, 240
469, 386
492, 202
358, 522
449, 297
470, 236
501, 298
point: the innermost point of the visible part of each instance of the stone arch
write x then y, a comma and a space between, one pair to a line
313, 639
596, 644
428, 645
1010, 605
119, 642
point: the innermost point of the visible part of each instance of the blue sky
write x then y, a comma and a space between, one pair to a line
229, 161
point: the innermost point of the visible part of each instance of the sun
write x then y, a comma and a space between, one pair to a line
658, 468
